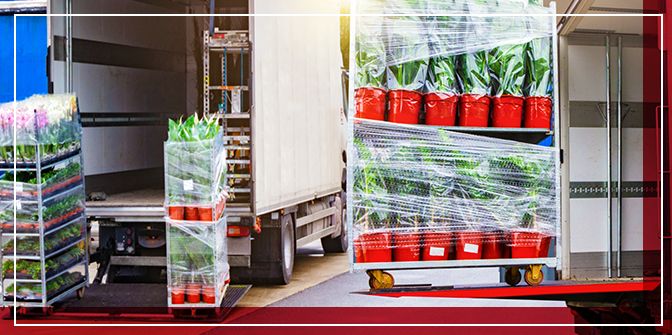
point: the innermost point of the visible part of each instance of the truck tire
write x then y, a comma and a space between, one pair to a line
283, 273
272, 259
337, 244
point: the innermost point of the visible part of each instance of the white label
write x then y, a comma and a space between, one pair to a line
19, 187
434, 251
235, 101
471, 248
188, 185
18, 204
60, 165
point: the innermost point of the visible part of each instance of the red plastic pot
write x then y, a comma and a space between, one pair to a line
507, 111
404, 106
468, 244
406, 247
359, 255
376, 247
440, 109
436, 246
538, 112
474, 110
494, 244
204, 214
176, 212
370, 103
193, 293
191, 213
177, 295
527, 244
545, 246
209, 294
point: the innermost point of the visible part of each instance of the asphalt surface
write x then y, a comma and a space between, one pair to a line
345, 289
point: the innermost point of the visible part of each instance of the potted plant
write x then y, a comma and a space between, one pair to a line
476, 89
442, 85
374, 243
539, 85
370, 91
437, 238
407, 59
507, 65
194, 189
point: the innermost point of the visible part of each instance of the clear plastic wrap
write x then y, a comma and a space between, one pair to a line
472, 63
56, 211
59, 177
418, 189
55, 286
195, 177
51, 121
30, 245
197, 263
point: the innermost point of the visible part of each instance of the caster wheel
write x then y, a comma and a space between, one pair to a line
80, 293
533, 280
382, 280
512, 276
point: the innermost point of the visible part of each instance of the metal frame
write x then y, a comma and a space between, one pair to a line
38, 167
552, 262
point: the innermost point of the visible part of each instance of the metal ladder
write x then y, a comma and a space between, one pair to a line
235, 121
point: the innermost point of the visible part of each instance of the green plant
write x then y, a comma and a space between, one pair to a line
507, 64
407, 49
370, 187
473, 73
539, 68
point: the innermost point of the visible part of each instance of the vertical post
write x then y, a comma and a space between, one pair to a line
608, 117
619, 203
206, 73
68, 47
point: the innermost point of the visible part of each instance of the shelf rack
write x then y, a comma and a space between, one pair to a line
52, 210
546, 137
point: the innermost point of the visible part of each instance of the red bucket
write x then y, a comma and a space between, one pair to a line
436, 246
528, 244
376, 247
440, 109
538, 111
406, 247
507, 111
370, 103
494, 245
474, 110
468, 244
404, 106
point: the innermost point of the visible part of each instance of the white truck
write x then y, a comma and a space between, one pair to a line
284, 124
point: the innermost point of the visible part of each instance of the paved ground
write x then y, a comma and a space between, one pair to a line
321, 280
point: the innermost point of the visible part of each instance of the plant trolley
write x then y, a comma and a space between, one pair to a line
44, 241
454, 158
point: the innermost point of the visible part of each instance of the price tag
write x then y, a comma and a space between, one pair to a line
434, 251
19, 187
188, 185
471, 248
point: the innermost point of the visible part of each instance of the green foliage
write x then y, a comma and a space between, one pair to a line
507, 66
539, 68
474, 73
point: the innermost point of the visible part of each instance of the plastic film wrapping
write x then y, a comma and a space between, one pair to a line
51, 121
197, 261
418, 187
195, 180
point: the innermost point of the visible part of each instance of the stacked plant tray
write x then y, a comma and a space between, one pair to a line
195, 177
43, 226
455, 162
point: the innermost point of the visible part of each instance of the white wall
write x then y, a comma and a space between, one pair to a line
116, 89
587, 151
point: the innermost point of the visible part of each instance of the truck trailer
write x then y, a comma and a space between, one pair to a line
279, 99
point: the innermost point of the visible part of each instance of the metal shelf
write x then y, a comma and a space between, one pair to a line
51, 254
49, 163
66, 270
466, 263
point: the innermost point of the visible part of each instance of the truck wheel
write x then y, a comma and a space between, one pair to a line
340, 243
288, 249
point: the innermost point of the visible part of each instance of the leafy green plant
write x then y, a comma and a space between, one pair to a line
507, 66
539, 68
407, 49
474, 74
369, 186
